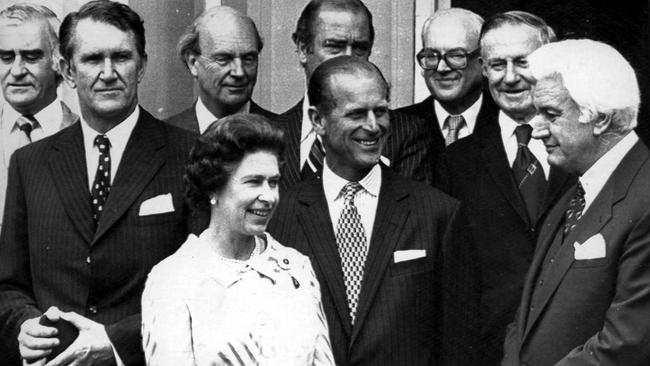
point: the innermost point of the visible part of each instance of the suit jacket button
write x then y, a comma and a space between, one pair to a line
88, 260
93, 309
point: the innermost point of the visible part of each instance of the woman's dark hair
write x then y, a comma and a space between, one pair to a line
219, 150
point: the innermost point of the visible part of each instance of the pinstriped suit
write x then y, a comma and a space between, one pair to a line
50, 252
409, 313
187, 118
409, 146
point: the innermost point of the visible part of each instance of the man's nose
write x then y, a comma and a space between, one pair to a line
108, 72
540, 127
511, 76
18, 67
236, 67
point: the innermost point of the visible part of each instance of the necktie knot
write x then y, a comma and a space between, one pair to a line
349, 190
454, 124
523, 133
102, 143
26, 123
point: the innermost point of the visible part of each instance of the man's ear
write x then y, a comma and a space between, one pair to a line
483, 66
67, 71
602, 124
303, 51
142, 68
191, 59
317, 120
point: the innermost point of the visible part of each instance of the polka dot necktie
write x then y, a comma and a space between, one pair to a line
102, 183
351, 242
574, 211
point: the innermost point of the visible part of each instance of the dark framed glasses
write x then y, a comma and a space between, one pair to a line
456, 59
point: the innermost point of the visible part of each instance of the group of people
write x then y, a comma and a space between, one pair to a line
505, 219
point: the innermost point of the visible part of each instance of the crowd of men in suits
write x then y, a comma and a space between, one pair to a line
477, 244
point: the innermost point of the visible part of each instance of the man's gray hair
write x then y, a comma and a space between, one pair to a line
599, 79
472, 21
26, 12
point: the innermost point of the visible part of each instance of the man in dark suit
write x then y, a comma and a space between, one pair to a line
220, 49
503, 179
451, 69
330, 28
586, 298
92, 208
29, 78
395, 275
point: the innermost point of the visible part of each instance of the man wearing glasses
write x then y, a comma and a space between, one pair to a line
452, 71
220, 49
502, 176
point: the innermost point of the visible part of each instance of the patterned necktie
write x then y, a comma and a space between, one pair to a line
27, 123
351, 242
314, 163
574, 211
454, 123
102, 183
528, 173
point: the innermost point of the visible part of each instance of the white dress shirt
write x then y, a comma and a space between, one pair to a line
470, 115
49, 120
307, 133
365, 199
205, 117
598, 174
118, 137
509, 139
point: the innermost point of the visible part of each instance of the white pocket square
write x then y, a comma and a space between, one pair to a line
592, 248
408, 255
157, 205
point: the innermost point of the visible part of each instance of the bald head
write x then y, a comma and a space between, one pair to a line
221, 49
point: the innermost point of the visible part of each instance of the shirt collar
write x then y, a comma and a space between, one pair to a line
470, 114
44, 116
507, 126
597, 175
333, 184
205, 118
306, 127
118, 135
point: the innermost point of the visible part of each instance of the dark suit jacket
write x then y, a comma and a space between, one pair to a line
594, 311
427, 112
410, 313
50, 252
409, 147
187, 118
476, 171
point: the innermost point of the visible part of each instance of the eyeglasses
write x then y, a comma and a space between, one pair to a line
456, 59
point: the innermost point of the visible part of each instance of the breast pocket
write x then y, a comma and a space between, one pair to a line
414, 266
590, 263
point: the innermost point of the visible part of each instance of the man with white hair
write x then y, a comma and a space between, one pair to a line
586, 298
451, 69
29, 76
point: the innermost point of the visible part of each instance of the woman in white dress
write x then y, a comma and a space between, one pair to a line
233, 295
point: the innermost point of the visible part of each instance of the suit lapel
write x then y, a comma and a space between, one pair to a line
68, 170
593, 220
496, 162
141, 160
391, 215
291, 123
558, 183
315, 221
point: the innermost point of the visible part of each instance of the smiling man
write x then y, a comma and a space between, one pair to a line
328, 29
29, 76
221, 50
586, 299
92, 208
451, 69
502, 176
386, 249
